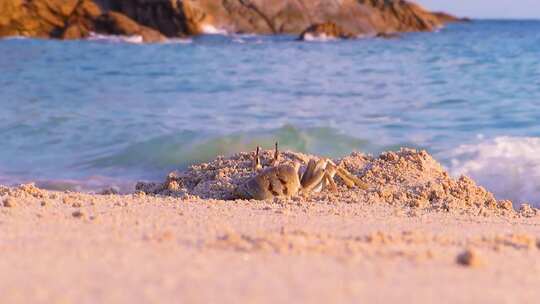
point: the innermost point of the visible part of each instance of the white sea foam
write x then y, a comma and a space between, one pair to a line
179, 41
325, 38
246, 38
14, 38
212, 30
135, 39
318, 38
507, 166
247, 35
239, 40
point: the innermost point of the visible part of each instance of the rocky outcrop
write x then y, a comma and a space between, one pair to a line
358, 17
165, 16
447, 18
276, 16
114, 23
41, 19
325, 31
82, 22
402, 16
156, 19
67, 19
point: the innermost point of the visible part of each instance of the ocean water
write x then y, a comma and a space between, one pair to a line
85, 115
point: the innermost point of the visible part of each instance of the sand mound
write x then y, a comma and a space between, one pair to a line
407, 178
217, 179
414, 178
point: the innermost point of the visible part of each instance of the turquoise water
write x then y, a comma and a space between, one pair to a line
87, 114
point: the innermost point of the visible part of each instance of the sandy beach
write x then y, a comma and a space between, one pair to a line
233, 151
67, 247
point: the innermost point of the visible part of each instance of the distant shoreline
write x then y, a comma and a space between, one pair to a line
158, 20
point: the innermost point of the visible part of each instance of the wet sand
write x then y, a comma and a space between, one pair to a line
67, 247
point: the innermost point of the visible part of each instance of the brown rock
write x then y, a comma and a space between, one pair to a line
402, 16
327, 30
47, 19
387, 35
165, 16
23, 18
67, 19
118, 24
82, 20
447, 18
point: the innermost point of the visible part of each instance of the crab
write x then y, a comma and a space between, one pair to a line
287, 180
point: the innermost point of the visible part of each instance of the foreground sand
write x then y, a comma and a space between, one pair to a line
81, 248
413, 234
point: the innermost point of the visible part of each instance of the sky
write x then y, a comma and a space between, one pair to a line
507, 9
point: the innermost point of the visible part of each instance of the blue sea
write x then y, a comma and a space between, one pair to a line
85, 115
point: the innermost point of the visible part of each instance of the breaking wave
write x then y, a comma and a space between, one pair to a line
179, 150
507, 166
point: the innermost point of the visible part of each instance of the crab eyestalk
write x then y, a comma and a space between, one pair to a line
256, 165
275, 161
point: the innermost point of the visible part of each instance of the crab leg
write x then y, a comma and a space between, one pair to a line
310, 170
331, 184
346, 179
314, 181
351, 180
330, 172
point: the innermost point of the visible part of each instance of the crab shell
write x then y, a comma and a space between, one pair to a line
282, 180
